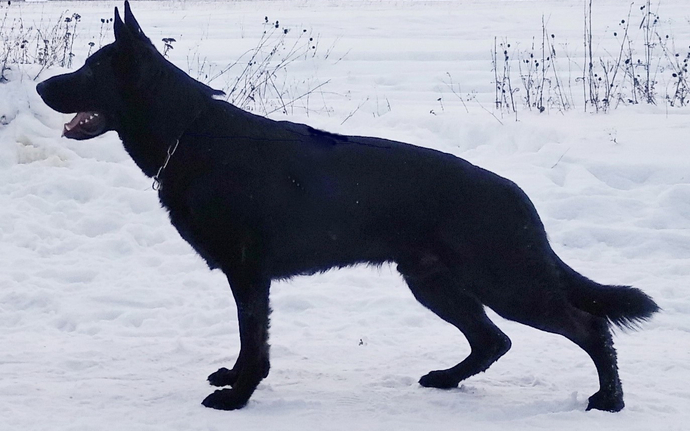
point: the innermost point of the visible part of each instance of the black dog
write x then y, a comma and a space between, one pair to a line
265, 200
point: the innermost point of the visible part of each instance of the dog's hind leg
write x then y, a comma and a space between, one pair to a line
594, 336
538, 302
252, 365
434, 286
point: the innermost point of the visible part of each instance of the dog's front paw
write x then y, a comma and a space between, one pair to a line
223, 377
225, 399
438, 379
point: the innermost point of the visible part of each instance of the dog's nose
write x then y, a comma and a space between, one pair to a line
40, 88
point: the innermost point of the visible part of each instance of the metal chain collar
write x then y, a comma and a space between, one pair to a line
157, 184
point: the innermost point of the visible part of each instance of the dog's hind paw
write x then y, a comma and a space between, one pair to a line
439, 379
223, 377
606, 402
225, 399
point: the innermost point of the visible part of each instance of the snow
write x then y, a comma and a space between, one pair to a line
108, 320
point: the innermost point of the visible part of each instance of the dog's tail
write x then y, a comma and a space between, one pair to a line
623, 306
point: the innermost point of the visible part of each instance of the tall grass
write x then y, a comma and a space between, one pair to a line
646, 66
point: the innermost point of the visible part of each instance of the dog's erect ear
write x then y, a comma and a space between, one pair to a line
132, 23
117, 24
122, 32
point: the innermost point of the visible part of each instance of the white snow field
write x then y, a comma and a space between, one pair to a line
109, 321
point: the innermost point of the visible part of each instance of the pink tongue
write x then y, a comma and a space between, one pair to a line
79, 118
84, 124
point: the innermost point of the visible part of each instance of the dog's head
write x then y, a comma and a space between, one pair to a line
122, 87
94, 92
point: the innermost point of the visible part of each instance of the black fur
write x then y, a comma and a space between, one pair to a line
265, 200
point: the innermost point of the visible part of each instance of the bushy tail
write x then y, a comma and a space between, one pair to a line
623, 306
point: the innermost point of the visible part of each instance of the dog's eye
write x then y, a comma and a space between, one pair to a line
88, 72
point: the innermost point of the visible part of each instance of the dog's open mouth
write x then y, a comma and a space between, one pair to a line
85, 125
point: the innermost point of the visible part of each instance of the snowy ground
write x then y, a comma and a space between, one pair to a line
108, 320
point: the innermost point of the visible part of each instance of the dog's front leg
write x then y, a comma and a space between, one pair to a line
251, 296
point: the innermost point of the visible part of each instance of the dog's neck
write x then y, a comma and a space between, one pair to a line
152, 147
170, 152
